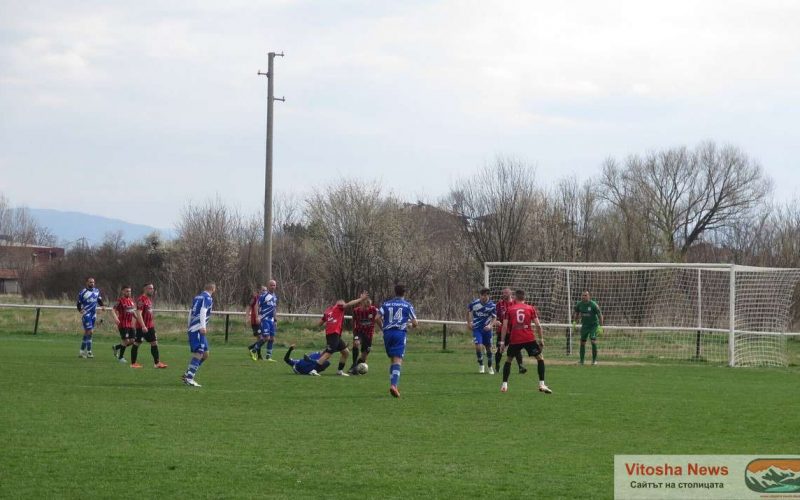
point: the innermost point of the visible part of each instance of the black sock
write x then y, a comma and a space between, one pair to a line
122, 350
506, 370
497, 357
341, 366
519, 359
356, 352
134, 353
288, 355
251, 346
540, 369
154, 352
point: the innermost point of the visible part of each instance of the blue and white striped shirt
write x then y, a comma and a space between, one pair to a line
200, 312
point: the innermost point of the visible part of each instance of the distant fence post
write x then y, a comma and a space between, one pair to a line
444, 336
227, 326
36, 323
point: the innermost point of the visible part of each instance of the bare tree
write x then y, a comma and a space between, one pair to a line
494, 206
681, 194
20, 226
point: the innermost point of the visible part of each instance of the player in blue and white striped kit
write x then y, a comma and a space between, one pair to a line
267, 313
88, 300
395, 315
198, 324
481, 316
309, 365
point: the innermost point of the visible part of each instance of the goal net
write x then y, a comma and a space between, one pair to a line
716, 313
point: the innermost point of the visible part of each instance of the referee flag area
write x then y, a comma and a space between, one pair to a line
83, 428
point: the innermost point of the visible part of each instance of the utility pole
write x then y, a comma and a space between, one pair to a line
270, 74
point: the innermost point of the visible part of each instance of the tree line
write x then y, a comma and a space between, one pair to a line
709, 203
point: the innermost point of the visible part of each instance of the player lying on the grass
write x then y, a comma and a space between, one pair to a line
481, 317
88, 300
255, 322
365, 316
591, 323
268, 314
395, 315
145, 306
521, 337
124, 313
199, 315
309, 365
502, 307
333, 319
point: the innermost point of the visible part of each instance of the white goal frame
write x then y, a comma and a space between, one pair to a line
792, 279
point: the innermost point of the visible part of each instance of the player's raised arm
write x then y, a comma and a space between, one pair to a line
357, 301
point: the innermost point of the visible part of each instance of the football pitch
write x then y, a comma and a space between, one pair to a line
76, 428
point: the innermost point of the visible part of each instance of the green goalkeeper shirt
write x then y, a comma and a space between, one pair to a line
590, 314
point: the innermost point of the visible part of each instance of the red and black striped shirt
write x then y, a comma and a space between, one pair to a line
364, 319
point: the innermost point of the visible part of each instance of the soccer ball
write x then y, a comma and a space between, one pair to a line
362, 368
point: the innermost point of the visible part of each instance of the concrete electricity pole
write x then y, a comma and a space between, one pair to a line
270, 74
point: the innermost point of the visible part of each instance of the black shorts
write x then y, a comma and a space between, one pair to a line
256, 330
365, 339
498, 337
127, 333
335, 343
533, 349
150, 336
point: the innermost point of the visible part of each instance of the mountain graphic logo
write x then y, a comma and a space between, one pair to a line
773, 475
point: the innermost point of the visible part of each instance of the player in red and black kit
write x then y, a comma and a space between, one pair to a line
125, 313
363, 329
501, 308
255, 322
144, 304
333, 319
521, 337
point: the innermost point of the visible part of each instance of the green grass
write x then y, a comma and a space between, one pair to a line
93, 428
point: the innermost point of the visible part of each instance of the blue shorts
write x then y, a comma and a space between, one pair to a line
481, 336
267, 327
198, 342
395, 343
88, 321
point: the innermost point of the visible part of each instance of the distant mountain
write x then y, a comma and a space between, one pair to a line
71, 226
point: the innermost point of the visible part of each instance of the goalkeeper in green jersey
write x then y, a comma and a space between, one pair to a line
591, 323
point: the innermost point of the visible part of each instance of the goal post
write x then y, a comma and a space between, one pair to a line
716, 313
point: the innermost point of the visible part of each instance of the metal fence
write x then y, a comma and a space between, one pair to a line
226, 314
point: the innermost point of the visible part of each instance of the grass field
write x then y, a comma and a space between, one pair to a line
94, 428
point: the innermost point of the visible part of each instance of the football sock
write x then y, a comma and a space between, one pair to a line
257, 345
394, 374
85, 346
519, 359
480, 357
540, 369
341, 366
154, 352
356, 353
269, 346
134, 353
594, 352
122, 350
117, 348
252, 346
88, 342
497, 357
506, 370
194, 364
583, 352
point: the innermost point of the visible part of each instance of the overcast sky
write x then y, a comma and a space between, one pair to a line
133, 109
